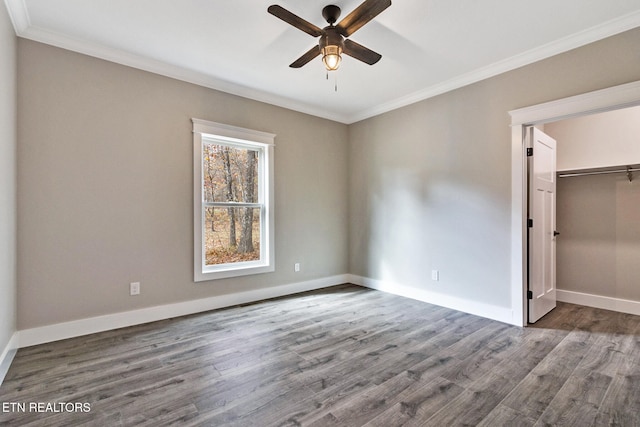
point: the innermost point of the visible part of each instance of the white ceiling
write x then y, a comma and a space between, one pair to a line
428, 46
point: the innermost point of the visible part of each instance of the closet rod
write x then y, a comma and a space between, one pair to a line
628, 171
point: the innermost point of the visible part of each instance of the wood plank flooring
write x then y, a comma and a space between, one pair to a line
342, 356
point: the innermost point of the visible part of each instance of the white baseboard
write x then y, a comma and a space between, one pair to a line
76, 328
6, 357
597, 301
501, 314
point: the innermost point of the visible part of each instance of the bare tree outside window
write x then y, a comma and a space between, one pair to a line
230, 176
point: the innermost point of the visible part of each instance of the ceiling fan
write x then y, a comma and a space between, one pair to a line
333, 38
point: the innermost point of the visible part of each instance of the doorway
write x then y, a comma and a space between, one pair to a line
616, 97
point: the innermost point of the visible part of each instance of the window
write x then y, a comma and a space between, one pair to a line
233, 201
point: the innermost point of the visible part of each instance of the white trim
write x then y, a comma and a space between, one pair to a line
598, 301
7, 355
501, 314
20, 17
76, 328
518, 228
233, 132
622, 96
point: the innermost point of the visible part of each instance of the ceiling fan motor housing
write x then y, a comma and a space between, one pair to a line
331, 37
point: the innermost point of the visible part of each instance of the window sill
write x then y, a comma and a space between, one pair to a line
232, 271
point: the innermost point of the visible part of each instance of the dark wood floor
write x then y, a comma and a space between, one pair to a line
344, 356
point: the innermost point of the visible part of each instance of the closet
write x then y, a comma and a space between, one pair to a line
598, 209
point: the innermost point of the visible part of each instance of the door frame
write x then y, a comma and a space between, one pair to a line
612, 98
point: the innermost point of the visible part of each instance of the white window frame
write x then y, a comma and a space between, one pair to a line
210, 132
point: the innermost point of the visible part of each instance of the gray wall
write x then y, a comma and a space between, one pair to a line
105, 188
7, 179
599, 245
430, 183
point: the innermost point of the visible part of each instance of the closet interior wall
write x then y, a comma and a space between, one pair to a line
598, 215
598, 250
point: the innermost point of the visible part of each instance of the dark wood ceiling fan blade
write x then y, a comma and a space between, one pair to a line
360, 52
306, 58
295, 20
361, 15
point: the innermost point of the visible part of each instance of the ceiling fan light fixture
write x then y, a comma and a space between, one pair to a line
331, 48
331, 57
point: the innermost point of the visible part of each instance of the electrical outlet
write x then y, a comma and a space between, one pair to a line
435, 275
296, 267
134, 288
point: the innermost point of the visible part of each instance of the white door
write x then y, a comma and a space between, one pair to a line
542, 223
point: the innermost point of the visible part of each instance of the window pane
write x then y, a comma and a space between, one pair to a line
231, 235
229, 174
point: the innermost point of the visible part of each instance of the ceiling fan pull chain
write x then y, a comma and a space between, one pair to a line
335, 82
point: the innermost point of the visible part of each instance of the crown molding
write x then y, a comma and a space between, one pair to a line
169, 70
18, 14
22, 24
593, 34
